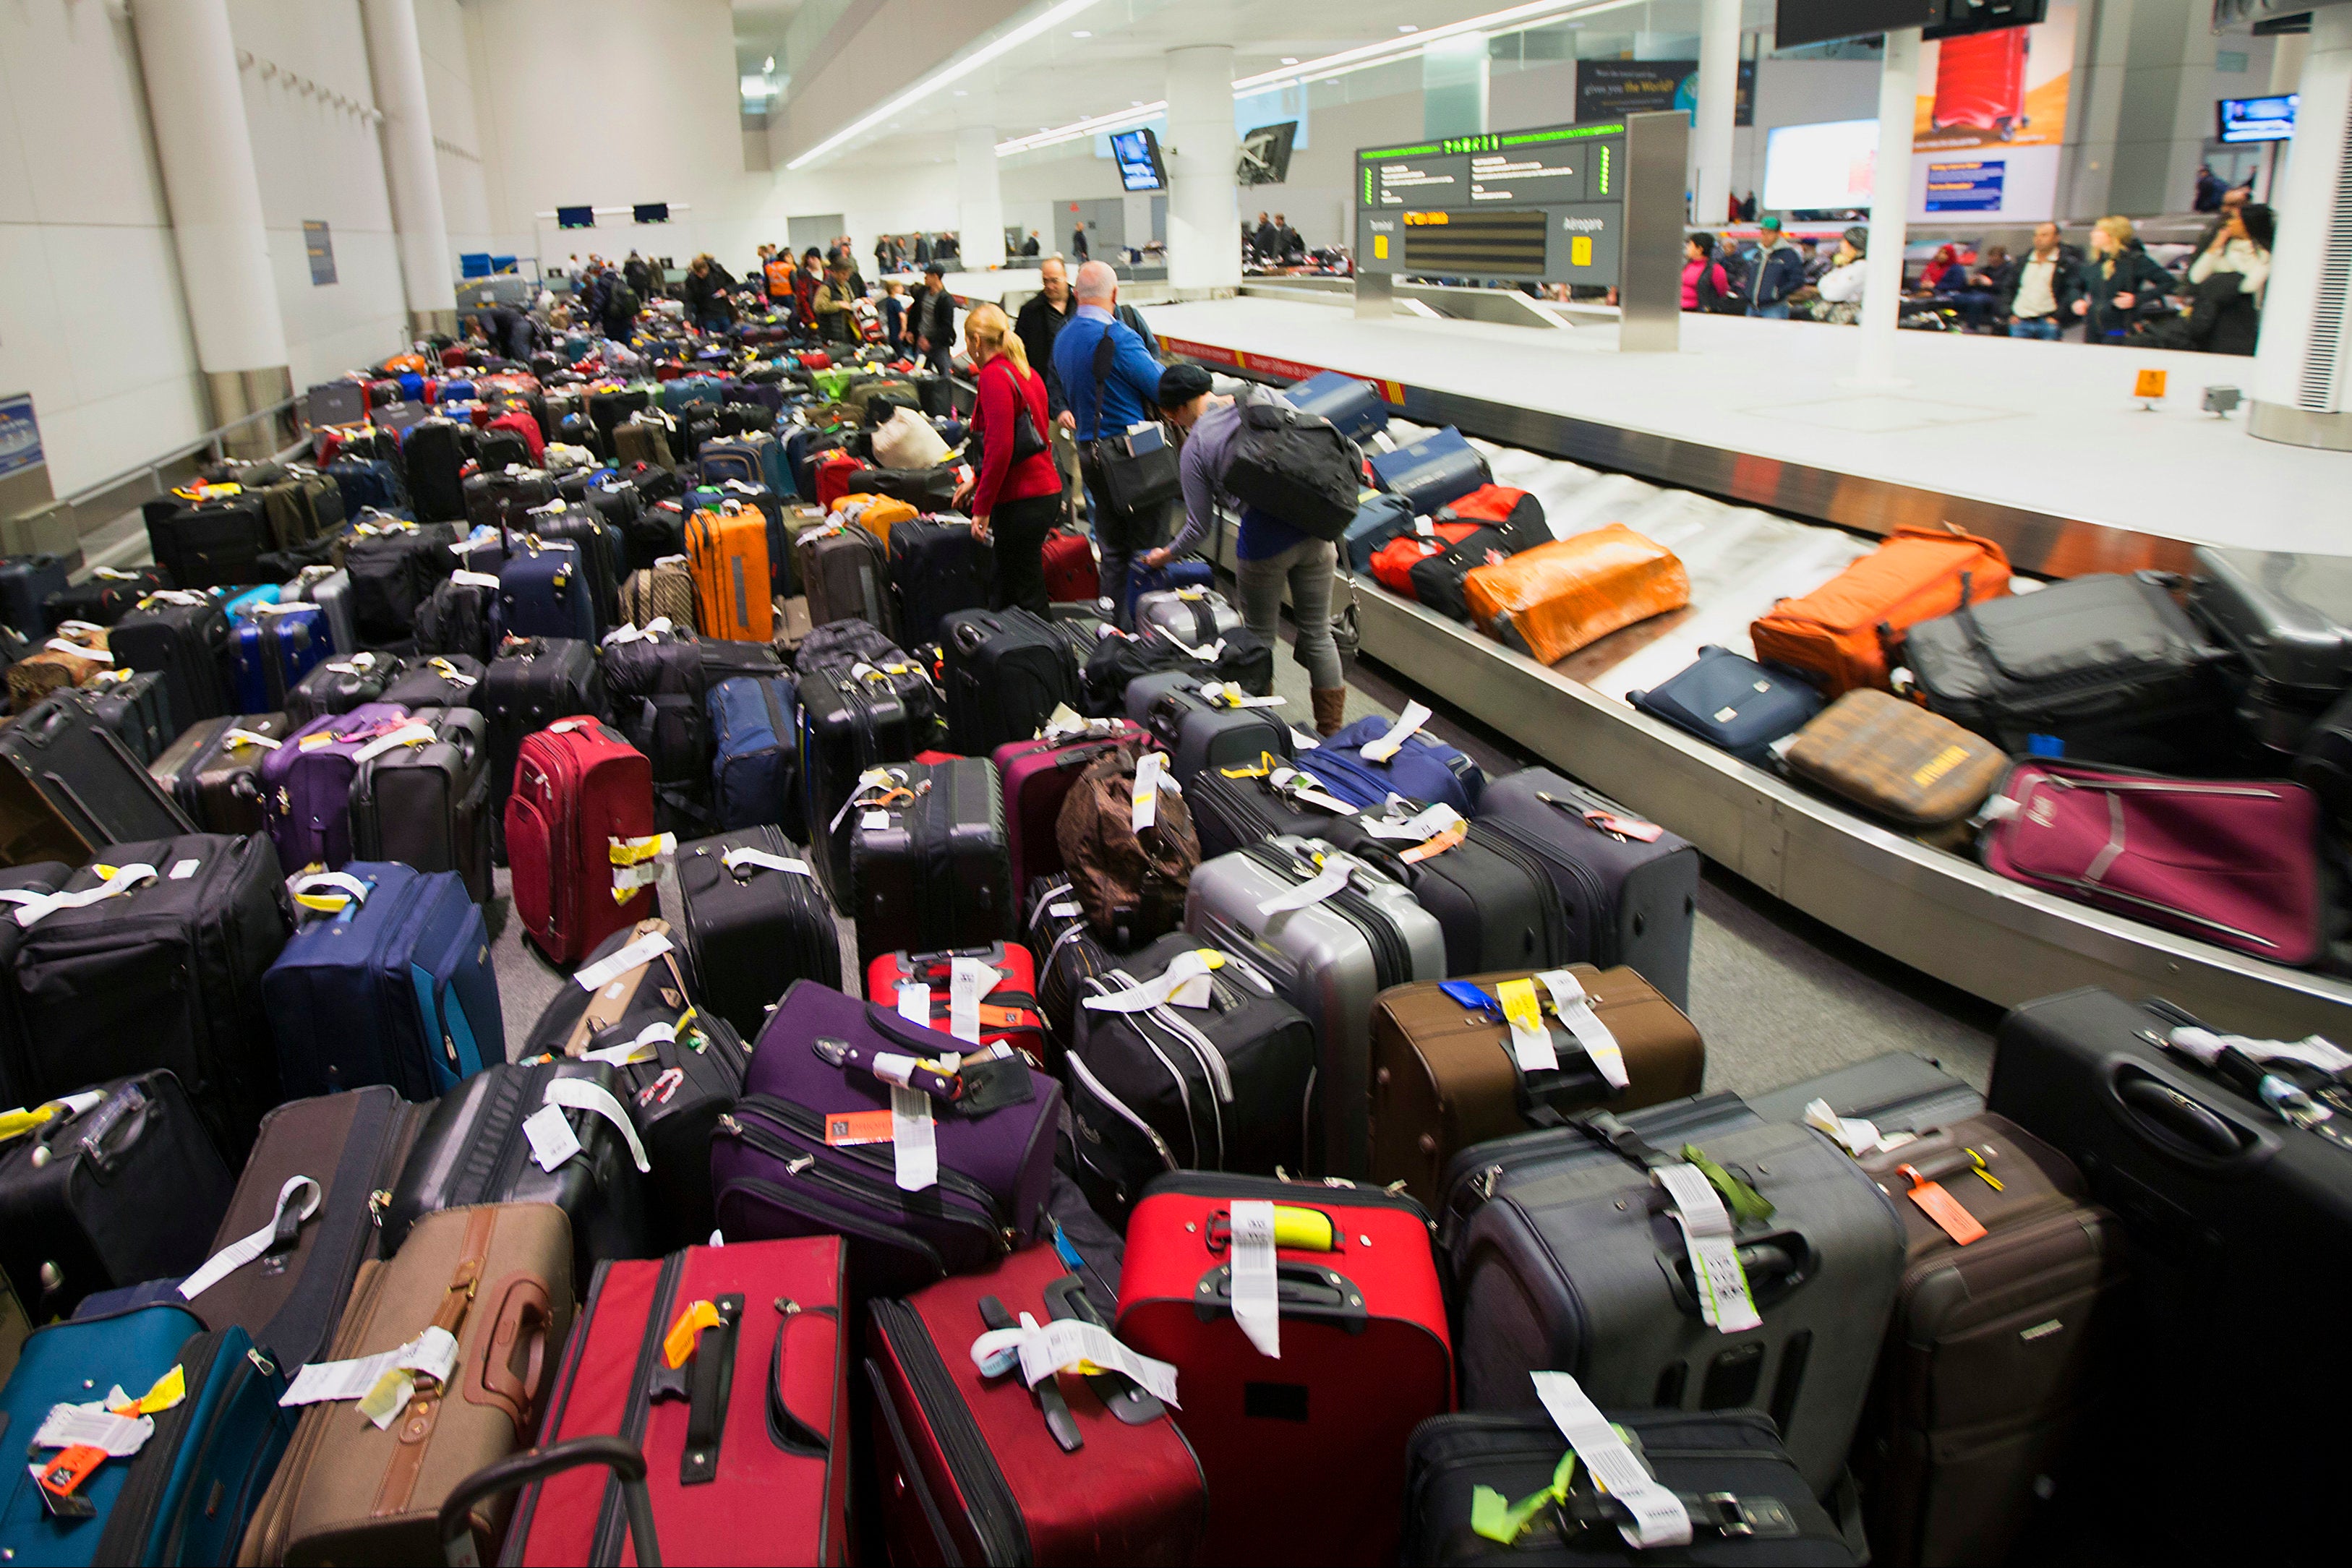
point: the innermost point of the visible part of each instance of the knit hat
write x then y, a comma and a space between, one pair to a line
1181, 384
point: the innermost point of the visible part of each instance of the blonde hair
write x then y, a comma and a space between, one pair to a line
988, 328
2118, 229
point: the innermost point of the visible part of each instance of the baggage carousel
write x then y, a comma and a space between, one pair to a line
1931, 908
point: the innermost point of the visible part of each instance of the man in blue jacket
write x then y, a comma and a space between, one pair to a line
1106, 406
1777, 272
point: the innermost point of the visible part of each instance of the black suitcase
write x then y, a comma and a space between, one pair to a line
1438, 579
937, 568
925, 489
2289, 620
600, 554
25, 583
166, 972
105, 597
68, 785
340, 685
128, 1188
929, 866
497, 451
2233, 1213
185, 640
1237, 658
426, 804
1745, 1501
435, 451
609, 408
393, 569
40, 877
756, 927
533, 682
1491, 896
654, 686
1896, 1093
2107, 667
1200, 736
846, 574
498, 497
213, 772
1234, 811
1064, 946
849, 725
134, 704
1630, 889
1006, 673
443, 680
472, 1149
213, 544
455, 619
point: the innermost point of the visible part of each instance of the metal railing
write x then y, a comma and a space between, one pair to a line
210, 441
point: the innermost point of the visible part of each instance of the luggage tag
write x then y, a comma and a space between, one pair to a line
1295, 784
553, 1140
1229, 693
60, 646
1855, 1135
1257, 1306
475, 580
1472, 997
32, 908
1532, 1044
635, 955
1614, 823
1330, 879
1574, 1010
1068, 1344
637, 863
1384, 747
58, 1478
1936, 1201
1659, 1517
1716, 1278
1184, 983
298, 1200
1151, 774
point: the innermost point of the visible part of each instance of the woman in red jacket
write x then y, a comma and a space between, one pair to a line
1015, 493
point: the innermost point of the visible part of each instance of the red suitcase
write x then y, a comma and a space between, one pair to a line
1070, 574
1305, 1455
769, 1383
1037, 777
832, 472
1980, 82
1008, 1009
522, 425
1393, 563
969, 1472
580, 836
815, 361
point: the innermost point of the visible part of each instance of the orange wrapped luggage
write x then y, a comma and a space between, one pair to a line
1550, 600
1848, 632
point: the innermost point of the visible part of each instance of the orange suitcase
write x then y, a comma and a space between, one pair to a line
1550, 600
1847, 633
728, 547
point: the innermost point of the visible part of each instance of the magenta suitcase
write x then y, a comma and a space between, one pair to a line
1037, 777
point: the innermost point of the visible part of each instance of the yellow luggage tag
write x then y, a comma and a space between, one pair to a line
679, 1343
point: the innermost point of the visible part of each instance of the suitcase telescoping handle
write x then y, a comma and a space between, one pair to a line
628, 1467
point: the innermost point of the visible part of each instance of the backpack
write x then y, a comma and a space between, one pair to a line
1131, 883
1719, 300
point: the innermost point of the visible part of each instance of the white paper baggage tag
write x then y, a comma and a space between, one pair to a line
1575, 1010
407, 735
645, 1047
432, 1354
637, 863
234, 739
743, 856
969, 979
451, 673
1386, 747
60, 645
1184, 983
1532, 1044
2206, 1045
1144, 810
1315, 889
1303, 741
1722, 1285
1257, 1307
73, 1426
30, 910
552, 1141
913, 1135
1227, 694
1659, 1517
475, 580
1295, 785
1852, 1133
1069, 1344
1419, 828
635, 956
914, 1006
580, 1094
300, 1193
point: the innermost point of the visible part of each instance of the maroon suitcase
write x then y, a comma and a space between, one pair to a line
580, 836
1037, 777
968, 1469
1070, 574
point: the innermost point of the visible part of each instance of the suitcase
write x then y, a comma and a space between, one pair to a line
939, 570
1745, 1501
728, 551
39, 878
457, 617
435, 451
850, 726
1848, 632
213, 771
184, 1496
187, 643
393, 569
580, 836
1195, 617
2100, 668
1563, 1255
753, 457
104, 598
123, 1190
530, 685
2225, 1206
846, 574
350, 1492
444, 680
1005, 1006
2324, 763
755, 755
545, 591
271, 655
1351, 403
302, 506
340, 685
755, 926
2289, 618
1392, 565
602, 549
1037, 776
1006, 675
925, 489
664, 592
1330, 957
306, 784
1446, 1076
1141, 580
655, 684
1234, 808
1070, 574
1200, 732
1228, 1085
928, 868
394, 986
1895, 1092
1549, 602
752, 1434
2230, 861
361, 483
1629, 888
25, 583
1365, 1357
1491, 898
1442, 582
1980, 82
775, 1174
1379, 518
1421, 768
1432, 471
975, 1477
134, 706
68, 785
1895, 760
1731, 703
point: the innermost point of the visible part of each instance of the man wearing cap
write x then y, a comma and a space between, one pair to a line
1777, 273
930, 319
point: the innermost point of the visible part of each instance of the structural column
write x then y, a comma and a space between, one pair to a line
1718, 98
1454, 77
2303, 363
980, 198
1890, 206
411, 170
1204, 244
188, 62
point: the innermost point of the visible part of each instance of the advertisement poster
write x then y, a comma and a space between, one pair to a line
1607, 89
1991, 116
20, 435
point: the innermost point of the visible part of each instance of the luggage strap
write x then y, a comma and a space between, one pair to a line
354, 892
1696, 1188
34, 907
298, 1200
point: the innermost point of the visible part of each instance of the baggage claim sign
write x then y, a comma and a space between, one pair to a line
1544, 206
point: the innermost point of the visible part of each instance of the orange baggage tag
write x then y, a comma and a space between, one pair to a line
1943, 1209
846, 1127
1436, 846
71, 1468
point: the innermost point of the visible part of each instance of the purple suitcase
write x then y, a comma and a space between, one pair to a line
1037, 777
306, 789
773, 1174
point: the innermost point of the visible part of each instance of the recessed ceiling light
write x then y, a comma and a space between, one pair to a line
1290, 59
1080, 33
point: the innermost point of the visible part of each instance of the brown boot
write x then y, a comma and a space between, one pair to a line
1330, 709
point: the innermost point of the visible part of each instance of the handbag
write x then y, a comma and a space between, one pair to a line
1131, 481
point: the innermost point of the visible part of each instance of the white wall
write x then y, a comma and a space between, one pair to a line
456, 139
90, 319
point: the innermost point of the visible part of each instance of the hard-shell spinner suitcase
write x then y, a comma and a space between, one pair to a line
938, 569
976, 1476
929, 869
1354, 935
1731, 701
755, 921
1446, 1074
270, 655
851, 729
580, 836
846, 574
1431, 471
746, 1440
1630, 889
1365, 1357
1006, 673
186, 642
1566, 1253
2289, 618
733, 595
755, 752
1200, 732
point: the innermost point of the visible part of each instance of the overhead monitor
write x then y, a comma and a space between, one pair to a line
1821, 167
1800, 22
650, 213
575, 217
1544, 204
1265, 154
1961, 17
2256, 119
1140, 166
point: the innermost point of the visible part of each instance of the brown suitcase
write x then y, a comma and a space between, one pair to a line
642, 440
664, 589
215, 777
793, 624
499, 1277
1443, 1077
1996, 1352
73, 655
1897, 759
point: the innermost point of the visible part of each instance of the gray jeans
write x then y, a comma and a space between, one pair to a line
1307, 567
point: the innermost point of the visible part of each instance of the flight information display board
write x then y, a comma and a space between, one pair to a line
1546, 204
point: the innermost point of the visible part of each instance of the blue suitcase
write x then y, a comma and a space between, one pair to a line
271, 651
185, 1497
544, 593
755, 752
1349, 402
26, 581
1143, 580
691, 392
367, 482
1423, 770
1732, 701
240, 603
457, 392
394, 986
1439, 467
1381, 518
754, 459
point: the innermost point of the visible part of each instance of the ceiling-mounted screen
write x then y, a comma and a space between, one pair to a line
575, 217
1140, 166
2256, 119
1265, 154
650, 213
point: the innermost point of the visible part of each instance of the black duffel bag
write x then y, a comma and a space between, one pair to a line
1297, 468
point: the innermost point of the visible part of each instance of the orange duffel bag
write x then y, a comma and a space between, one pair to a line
1550, 600
1848, 632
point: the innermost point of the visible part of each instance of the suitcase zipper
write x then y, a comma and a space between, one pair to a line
834, 1218
989, 1500
810, 1125
1095, 1087
606, 1542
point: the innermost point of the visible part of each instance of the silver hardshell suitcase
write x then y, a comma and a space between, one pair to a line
1564, 1256
332, 593
1330, 958
1195, 617
1199, 734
